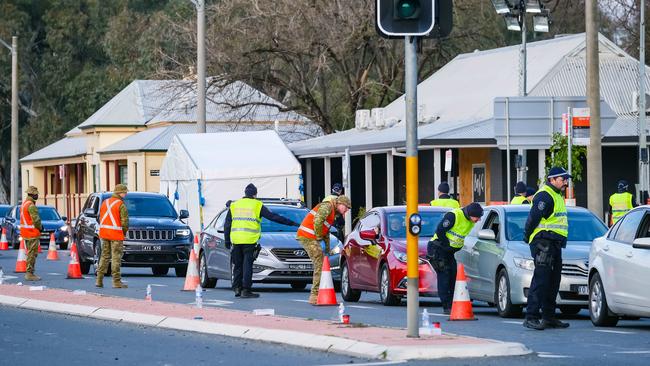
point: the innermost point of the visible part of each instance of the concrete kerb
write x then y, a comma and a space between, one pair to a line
325, 343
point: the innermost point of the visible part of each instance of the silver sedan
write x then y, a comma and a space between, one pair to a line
499, 265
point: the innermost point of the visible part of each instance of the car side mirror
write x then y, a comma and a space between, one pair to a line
10, 219
370, 235
486, 234
90, 212
641, 243
183, 214
65, 219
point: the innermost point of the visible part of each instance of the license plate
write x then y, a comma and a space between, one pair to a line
301, 266
151, 247
583, 290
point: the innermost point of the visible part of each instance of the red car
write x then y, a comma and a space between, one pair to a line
374, 255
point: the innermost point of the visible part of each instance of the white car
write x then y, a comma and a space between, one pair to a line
619, 269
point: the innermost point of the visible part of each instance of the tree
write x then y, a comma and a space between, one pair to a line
559, 153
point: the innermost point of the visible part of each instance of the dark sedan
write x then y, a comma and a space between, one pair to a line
3, 212
53, 223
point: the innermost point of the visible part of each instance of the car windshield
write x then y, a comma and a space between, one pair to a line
152, 206
583, 226
396, 224
296, 214
45, 213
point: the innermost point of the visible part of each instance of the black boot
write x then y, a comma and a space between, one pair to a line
534, 324
237, 292
554, 323
247, 294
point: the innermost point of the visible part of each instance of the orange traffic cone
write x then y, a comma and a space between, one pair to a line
52, 254
39, 248
192, 276
326, 294
4, 245
74, 269
461, 309
21, 262
197, 248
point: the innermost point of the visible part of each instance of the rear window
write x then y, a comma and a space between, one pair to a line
583, 226
292, 213
151, 206
45, 213
396, 224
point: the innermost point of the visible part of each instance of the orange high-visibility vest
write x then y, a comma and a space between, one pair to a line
110, 224
306, 229
27, 229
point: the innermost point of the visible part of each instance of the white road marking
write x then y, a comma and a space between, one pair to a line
157, 285
613, 331
511, 322
296, 300
439, 315
551, 355
5, 277
634, 352
213, 303
360, 307
371, 363
55, 274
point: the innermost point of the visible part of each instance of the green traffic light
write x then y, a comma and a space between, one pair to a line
407, 9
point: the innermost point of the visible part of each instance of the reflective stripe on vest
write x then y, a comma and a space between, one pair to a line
110, 223
519, 200
27, 228
246, 221
621, 203
558, 222
462, 226
445, 202
306, 229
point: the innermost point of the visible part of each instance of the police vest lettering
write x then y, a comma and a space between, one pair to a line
306, 229
462, 226
558, 222
27, 228
519, 200
110, 223
445, 202
246, 217
621, 203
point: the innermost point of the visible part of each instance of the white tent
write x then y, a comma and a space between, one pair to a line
218, 166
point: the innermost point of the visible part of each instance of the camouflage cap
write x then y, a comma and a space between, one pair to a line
32, 190
344, 200
120, 188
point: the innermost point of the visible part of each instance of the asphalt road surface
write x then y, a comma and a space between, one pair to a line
582, 343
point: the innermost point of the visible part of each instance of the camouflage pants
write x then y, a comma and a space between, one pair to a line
315, 253
32, 252
111, 252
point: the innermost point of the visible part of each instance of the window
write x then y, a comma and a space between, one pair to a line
221, 220
95, 204
396, 223
370, 221
149, 206
294, 214
492, 223
629, 226
135, 177
583, 226
95, 178
124, 174
614, 229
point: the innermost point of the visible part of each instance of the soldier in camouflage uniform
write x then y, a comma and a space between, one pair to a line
114, 224
314, 228
30, 230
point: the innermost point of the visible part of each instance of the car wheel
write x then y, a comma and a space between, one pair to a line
206, 282
570, 309
598, 309
160, 270
64, 246
180, 271
298, 285
14, 244
85, 266
505, 307
347, 292
97, 253
385, 290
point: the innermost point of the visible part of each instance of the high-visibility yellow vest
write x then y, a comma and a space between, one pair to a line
246, 225
558, 222
519, 200
462, 227
445, 202
621, 203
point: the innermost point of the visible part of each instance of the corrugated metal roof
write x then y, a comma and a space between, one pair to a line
65, 148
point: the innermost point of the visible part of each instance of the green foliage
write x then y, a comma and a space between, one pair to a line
559, 153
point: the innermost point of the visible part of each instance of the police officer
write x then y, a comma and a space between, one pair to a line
444, 199
113, 225
620, 203
520, 198
448, 239
30, 230
242, 230
314, 228
530, 193
546, 231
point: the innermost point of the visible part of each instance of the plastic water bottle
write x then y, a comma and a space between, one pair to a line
148, 297
2, 276
199, 296
426, 323
341, 312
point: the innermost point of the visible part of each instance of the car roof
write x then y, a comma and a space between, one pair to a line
526, 208
134, 194
392, 209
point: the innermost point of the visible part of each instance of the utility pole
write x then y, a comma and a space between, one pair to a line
594, 150
200, 65
13, 170
643, 143
522, 92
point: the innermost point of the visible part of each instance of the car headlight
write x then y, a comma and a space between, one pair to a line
264, 252
64, 228
524, 263
401, 256
183, 232
335, 250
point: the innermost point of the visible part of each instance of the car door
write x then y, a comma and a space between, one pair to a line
467, 255
220, 257
618, 273
365, 264
12, 224
488, 254
209, 244
637, 291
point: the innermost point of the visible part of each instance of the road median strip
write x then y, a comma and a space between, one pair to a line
367, 342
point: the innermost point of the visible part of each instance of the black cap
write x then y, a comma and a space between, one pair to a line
520, 188
443, 187
557, 172
337, 189
530, 191
622, 186
250, 190
474, 210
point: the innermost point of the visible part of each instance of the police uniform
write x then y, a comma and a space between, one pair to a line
113, 225
444, 199
314, 228
448, 239
242, 230
30, 230
546, 231
620, 203
519, 200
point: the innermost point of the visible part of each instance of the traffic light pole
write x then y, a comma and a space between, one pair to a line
412, 258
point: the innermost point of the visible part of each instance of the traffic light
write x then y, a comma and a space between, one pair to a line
399, 18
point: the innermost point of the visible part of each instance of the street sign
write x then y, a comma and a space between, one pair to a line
448, 160
565, 124
581, 122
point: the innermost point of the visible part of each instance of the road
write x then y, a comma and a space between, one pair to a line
582, 343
